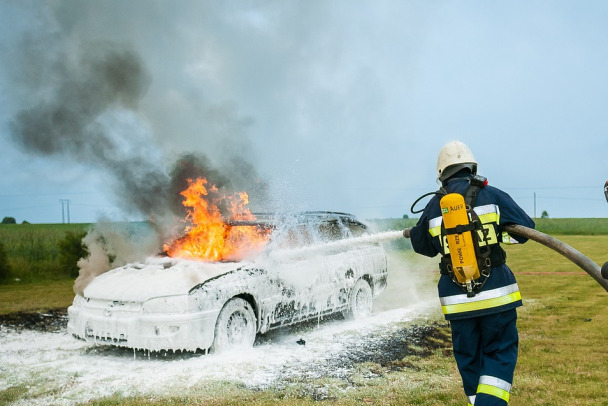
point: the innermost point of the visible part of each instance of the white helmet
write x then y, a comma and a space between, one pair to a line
453, 157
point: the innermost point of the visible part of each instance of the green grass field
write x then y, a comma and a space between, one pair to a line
43, 252
33, 250
563, 351
563, 347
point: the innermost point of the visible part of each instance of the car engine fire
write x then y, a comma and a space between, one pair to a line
210, 237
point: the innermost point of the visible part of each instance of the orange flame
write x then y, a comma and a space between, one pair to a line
209, 237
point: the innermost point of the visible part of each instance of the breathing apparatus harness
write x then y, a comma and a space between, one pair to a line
471, 256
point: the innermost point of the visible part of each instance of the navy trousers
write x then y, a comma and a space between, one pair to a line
485, 349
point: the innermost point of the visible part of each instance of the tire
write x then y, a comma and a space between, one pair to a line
235, 326
360, 301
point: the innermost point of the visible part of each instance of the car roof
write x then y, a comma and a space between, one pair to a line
274, 219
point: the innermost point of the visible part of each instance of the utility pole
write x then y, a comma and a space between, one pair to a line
65, 209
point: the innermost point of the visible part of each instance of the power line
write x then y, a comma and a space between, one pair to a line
539, 197
551, 188
47, 194
27, 207
94, 205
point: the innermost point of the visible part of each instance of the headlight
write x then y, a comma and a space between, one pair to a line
166, 304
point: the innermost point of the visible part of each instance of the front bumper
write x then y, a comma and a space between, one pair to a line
154, 332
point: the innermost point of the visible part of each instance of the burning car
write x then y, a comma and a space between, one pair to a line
310, 265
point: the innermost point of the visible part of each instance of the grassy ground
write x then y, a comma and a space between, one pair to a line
33, 250
563, 348
563, 351
590, 226
34, 297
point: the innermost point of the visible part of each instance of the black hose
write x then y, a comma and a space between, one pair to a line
567, 251
439, 192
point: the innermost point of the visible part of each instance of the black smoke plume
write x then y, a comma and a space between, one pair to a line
91, 117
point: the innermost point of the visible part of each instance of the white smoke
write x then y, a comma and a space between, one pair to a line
112, 245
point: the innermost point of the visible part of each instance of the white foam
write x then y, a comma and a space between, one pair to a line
66, 371
155, 277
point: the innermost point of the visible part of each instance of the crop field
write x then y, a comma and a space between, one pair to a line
562, 326
33, 250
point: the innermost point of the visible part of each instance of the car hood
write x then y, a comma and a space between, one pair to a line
138, 282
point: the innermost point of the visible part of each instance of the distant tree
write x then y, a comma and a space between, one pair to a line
71, 249
405, 216
9, 220
25, 222
544, 215
5, 268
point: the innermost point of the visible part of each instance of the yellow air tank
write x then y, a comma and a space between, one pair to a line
462, 250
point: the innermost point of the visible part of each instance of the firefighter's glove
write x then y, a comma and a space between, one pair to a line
406, 232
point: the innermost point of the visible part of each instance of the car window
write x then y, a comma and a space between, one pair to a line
356, 229
339, 229
330, 231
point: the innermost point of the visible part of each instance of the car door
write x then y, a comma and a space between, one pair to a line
295, 271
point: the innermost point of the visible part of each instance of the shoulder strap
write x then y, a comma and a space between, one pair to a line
477, 182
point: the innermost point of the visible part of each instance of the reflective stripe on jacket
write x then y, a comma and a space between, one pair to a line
489, 215
487, 299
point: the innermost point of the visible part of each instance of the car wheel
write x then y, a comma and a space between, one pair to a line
360, 300
235, 326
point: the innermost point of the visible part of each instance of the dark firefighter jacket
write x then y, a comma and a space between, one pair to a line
495, 208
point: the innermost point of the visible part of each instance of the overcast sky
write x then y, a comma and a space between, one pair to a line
333, 105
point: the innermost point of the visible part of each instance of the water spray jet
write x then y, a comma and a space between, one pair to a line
332, 245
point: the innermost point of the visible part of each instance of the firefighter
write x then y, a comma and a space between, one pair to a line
482, 313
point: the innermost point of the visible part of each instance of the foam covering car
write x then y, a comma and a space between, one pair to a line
315, 264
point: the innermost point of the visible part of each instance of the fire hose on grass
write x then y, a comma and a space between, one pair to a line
587, 265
